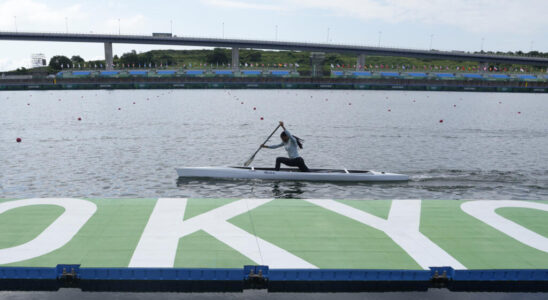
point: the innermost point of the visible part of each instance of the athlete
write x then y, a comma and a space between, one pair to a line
291, 144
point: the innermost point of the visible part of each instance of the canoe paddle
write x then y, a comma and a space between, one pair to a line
248, 162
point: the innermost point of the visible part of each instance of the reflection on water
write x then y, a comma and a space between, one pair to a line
288, 189
249, 188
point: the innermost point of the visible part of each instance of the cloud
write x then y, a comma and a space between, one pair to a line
471, 15
32, 15
243, 5
475, 16
129, 25
8, 64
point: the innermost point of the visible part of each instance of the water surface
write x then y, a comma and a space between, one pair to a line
489, 145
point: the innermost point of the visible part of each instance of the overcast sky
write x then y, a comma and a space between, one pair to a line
449, 24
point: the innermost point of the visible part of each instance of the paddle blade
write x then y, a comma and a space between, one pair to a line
248, 162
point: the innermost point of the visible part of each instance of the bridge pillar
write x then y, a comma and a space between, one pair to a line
316, 63
108, 56
360, 62
236, 60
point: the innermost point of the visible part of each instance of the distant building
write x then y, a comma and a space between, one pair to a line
38, 60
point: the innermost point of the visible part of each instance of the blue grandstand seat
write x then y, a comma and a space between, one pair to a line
417, 74
361, 73
280, 73
527, 76
337, 73
472, 75
135, 72
223, 72
109, 73
499, 76
251, 72
390, 74
195, 72
165, 72
445, 75
81, 73
546, 76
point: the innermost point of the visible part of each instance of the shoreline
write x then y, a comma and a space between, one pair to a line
274, 83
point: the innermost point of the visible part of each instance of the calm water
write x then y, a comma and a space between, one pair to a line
484, 149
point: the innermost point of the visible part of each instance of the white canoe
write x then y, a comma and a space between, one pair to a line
289, 174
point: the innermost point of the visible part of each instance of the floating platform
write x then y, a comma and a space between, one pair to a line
192, 245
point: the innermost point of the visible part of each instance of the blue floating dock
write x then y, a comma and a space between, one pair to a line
273, 280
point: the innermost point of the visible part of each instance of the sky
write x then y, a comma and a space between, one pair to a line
469, 25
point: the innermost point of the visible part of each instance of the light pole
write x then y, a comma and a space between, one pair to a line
380, 35
15, 22
171, 27
431, 39
482, 41
531, 46
118, 26
66, 24
223, 30
328, 34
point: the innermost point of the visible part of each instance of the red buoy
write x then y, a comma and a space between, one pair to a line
18, 140
119, 108
454, 105
441, 121
262, 118
349, 103
79, 119
242, 102
389, 110
28, 104
254, 108
133, 102
519, 112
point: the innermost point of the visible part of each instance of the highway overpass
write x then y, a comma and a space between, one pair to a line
235, 44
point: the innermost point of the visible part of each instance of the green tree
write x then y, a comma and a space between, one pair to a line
254, 56
130, 58
165, 58
77, 59
59, 60
217, 56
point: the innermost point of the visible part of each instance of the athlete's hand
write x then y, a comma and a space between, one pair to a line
263, 146
282, 123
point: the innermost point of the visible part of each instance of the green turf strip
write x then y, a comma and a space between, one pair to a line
108, 239
379, 208
201, 250
196, 207
323, 238
532, 219
475, 244
15, 230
